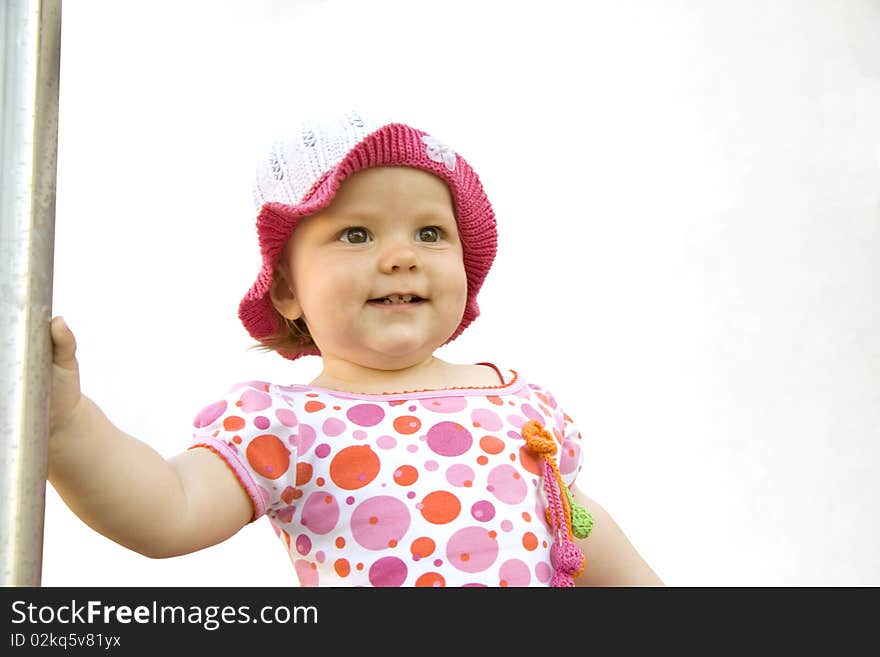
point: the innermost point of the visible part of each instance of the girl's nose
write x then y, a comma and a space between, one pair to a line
398, 256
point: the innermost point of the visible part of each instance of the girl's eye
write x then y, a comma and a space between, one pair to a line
354, 235
429, 234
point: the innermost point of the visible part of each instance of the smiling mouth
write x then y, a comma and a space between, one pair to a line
397, 299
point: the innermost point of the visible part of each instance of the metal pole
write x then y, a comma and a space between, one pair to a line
30, 49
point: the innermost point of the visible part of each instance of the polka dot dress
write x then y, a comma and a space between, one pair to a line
429, 488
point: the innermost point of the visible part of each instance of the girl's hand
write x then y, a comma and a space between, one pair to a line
65, 393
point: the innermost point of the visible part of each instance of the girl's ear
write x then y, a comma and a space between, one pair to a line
283, 298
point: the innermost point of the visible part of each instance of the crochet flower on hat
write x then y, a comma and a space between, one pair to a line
439, 152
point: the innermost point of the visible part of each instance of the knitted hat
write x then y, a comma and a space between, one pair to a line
300, 176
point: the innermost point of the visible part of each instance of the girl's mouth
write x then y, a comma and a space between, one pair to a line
397, 299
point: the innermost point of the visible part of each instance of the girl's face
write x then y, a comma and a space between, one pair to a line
378, 274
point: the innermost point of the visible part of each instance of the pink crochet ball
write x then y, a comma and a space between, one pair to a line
566, 557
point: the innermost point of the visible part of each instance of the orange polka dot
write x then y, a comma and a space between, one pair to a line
492, 534
337, 408
440, 507
360, 566
530, 541
340, 542
268, 456
342, 567
236, 440
392, 543
482, 459
407, 424
354, 467
233, 423
373, 520
313, 406
530, 461
464, 556
491, 445
431, 580
303, 473
527, 516
502, 583
320, 481
422, 547
406, 475
495, 400
297, 494
287, 494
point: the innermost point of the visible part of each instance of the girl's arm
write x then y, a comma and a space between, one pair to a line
611, 558
124, 489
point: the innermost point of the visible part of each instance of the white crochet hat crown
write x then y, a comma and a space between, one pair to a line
292, 166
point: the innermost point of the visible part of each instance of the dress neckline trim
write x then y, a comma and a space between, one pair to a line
505, 386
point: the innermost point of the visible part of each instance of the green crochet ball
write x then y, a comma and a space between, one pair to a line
581, 519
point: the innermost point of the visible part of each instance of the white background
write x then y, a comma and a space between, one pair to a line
688, 197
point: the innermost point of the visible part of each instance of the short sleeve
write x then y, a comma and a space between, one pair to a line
567, 434
250, 429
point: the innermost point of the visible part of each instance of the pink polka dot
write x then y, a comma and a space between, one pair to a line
445, 404
472, 549
514, 572
570, 457
460, 475
209, 414
388, 571
379, 521
303, 439
507, 484
322, 451
320, 512
449, 439
543, 572
359, 434
261, 422
516, 420
532, 414
431, 466
303, 544
486, 419
365, 415
254, 400
333, 426
506, 526
386, 442
307, 575
286, 417
483, 511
